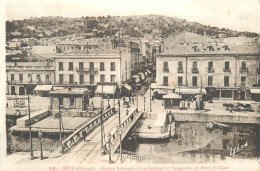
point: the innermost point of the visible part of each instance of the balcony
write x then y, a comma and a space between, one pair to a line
244, 70
76, 83
226, 69
195, 70
211, 70
165, 69
87, 70
180, 70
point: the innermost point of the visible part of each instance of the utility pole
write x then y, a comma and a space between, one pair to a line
144, 103
137, 99
101, 119
119, 129
150, 99
60, 126
30, 129
114, 97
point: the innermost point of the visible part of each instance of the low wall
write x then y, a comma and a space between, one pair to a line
203, 117
76, 113
35, 117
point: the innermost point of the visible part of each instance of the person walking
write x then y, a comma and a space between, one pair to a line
127, 111
84, 134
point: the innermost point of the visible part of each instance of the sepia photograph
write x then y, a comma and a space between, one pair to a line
120, 85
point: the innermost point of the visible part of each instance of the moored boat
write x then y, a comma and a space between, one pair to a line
154, 126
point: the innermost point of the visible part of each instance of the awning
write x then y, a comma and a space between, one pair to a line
153, 85
189, 90
161, 91
142, 75
128, 87
107, 89
137, 78
43, 88
172, 96
255, 91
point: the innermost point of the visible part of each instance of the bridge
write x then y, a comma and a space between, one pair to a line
76, 150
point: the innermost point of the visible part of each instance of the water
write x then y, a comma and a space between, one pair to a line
193, 143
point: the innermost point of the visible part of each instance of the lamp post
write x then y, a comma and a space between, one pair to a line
144, 103
40, 136
108, 105
60, 106
119, 130
30, 129
109, 147
150, 99
137, 99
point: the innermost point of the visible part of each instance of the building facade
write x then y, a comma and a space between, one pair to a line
23, 77
92, 68
230, 72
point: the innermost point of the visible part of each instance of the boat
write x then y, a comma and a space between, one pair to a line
154, 126
214, 124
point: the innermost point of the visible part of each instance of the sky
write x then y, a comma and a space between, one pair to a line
241, 15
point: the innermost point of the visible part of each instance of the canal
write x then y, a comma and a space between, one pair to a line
193, 143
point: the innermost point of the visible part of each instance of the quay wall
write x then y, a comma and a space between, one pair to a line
203, 117
35, 117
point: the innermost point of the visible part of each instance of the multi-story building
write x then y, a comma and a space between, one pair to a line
231, 70
23, 77
90, 69
67, 46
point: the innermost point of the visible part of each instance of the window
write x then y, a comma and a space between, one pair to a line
112, 66
180, 65
210, 66
30, 78
195, 64
61, 66
165, 81
243, 65
102, 66
243, 79
125, 65
38, 77
60, 101
195, 67
165, 67
47, 78
102, 78
91, 66
12, 77
226, 81
81, 79
91, 78
226, 65
70, 66
180, 81
210, 80
81, 66
21, 78
72, 102
194, 81
113, 78
61, 78
71, 79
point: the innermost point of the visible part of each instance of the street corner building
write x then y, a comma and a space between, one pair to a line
194, 61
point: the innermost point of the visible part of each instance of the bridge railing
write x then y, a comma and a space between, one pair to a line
115, 132
88, 127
